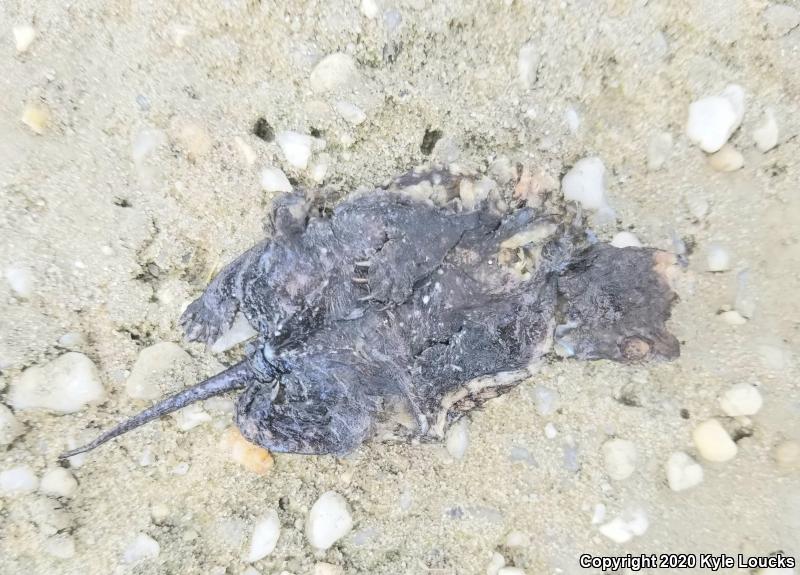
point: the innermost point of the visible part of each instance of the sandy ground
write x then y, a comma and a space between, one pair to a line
116, 247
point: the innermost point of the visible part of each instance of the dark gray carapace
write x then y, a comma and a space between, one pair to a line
395, 312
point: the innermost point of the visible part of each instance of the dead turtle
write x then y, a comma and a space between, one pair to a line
397, 311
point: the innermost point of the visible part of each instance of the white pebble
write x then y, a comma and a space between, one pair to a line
246, 151
718, 258
350, 112
510, 571
698, 207
24, 35
274, 180
727, 159
370, 9
145, 144
10, 427
65, 385
333, 72
296, 147
319, 169
71, 340
626, 526
36, 117
180, 469
550, 431
265, 536
60, 546
142, 548
518, 539
528, 65
20, 280
190, 417
620, 458
572, 119
58, 482
598, 514
659, 149
457, 440
159, 512
180, 33
683, 472
625, 240
713, 119
496, 563
733, 317
240, 330
585, 184
328, 521
766, 134
18, 480
741, 399
545, 399
713, 442
327, 569
781, 19
155, 365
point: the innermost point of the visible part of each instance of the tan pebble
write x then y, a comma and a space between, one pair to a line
713, 442
250, 456
727, 159
787, 454
195, 141
733, 317
24, 35
36, 117
533, 186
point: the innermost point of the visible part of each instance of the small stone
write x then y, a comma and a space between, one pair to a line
517, 539
625, 240
180, 469
319, 169
274, 180
72, 340
545, 400
327, 569
528, 65
190, 417
712, 120
510, 571
659, 149
457, 440
683, 472
246, 151
572, 119
60, 546
240, 330
265, 536
741, 399
496, 563
698, 207
10, 427
296, 148
599, 514
36, 117
626, 526
180, 33
18, 480
65, 385
733, 317
766, 133
20, 280
333, 72
155, 365
328, 521
24, 35
145, 144
585, 184
142, 548
727, 159
503, 171
620, 458
250, 456
58, 482
194, 140
713, 442
550, 431
787, 454
370, 9
780, 19
718, 258
350, 112
159, 513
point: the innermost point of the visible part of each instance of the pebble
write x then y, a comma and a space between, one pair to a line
319, 169
496, 563
60, 546
718, 258
350, 112
142, 548
265, 536
585, 184
787, 454
766, 133
65, 385
36, 117
24, 35
659, 149
698, 207
741, 399
683, 472
274, 180
328, 521
510, 571
334, 71
626, 526
18, 480
780, 19
713, 442
296, 147
71, 340
528, 65
598, 514
733, 317
58, 482
180, 33
159, 513
727, 159
457, 440
517, 539
625, 240
246, 151
10, 427
545, 400
248, 455
572, 119
240, 330
145, 144
550, 431
190, 417
194, 140
20, 280
370, 9
713, 119
155, 365
620, 458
